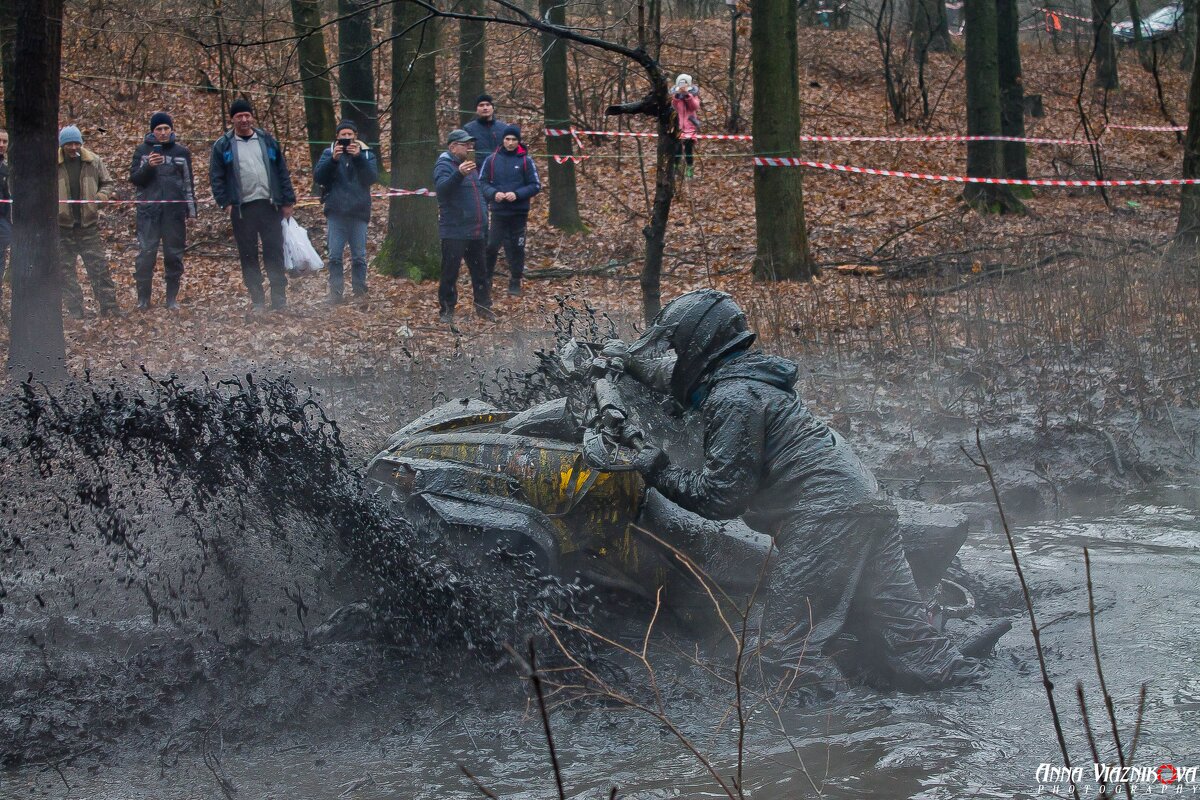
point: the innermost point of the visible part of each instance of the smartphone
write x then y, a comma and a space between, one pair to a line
344, 143
158, 149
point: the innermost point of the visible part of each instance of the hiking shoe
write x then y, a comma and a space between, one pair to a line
485, 313
334, 299
514, 289
173, 305
143, 304
446, 317
689, 173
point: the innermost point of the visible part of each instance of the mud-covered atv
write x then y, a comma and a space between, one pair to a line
556, 483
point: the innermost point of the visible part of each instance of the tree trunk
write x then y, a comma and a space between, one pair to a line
1012, 88
656, 231
37, 345
472, 60
1188, 57
413, 248
563, 197
782, 240
734, 123
1187, 231
1140, 46
1104, 48
983, 110
8, 41
930, 28
314, 76
356, 75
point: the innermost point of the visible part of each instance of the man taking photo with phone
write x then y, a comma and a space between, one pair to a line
345, 173
162, 172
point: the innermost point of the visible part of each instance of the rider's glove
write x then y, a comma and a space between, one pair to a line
651, 460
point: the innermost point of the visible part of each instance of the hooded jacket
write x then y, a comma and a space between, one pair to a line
223, 171
346, 182
767, 458
488, 136
462, 213
94, 184
5, 208
171, 180
687, 109
515, 172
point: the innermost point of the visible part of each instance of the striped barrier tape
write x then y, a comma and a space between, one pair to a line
847, 138
891, 173
1163, 128
569, 159
1064, 15
389, 193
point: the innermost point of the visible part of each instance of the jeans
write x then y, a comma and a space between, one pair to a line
507, 231
156, 225
453, 253
342, 231
5, 241
254, 221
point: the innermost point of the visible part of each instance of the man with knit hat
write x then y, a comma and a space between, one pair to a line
509, 179
485, 128
345, 172
162, 172
83, 179
249, 175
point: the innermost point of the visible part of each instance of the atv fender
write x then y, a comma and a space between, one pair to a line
448, 415
515, 525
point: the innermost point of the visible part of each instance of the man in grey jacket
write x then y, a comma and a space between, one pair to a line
162, 172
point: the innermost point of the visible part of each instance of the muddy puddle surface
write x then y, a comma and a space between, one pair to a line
389, 729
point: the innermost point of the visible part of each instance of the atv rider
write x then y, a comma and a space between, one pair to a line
841, 566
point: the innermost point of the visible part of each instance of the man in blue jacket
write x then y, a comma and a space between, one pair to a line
249, 175
486, 129
509, 180
345, 173
462, 224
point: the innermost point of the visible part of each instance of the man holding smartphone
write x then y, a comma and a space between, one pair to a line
462, 226
162, 172
345, 173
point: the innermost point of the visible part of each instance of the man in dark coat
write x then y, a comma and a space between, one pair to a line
249, 175
162, 172
462, 225
486, 129
345, 172
510, 179
5, 217
841, 566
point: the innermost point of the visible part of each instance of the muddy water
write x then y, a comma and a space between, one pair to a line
405, 736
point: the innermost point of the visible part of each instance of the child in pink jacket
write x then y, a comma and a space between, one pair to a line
685, 98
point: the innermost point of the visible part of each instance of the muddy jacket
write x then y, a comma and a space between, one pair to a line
461, 210
488, 136
346, 183
171, 180
94, 184
766, 456
5, 208
223, 171
503, 171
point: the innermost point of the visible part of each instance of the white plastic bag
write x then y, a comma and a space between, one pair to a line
299, 256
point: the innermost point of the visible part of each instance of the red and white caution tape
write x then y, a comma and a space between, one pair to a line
818, 138
891, 173
1165, 128
406, 193
388, 193
569, 159
1063, 15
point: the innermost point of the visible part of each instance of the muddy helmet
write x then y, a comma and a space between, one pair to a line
703, 327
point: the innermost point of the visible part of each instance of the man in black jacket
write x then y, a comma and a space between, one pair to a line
162, 172
5, 217
841, 567
249, 175
485, 128
509, 179
345, 173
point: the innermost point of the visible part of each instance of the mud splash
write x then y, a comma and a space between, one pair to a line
233, 512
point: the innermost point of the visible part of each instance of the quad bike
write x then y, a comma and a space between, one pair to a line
556, 483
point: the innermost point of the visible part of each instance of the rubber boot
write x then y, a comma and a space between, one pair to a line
172, 296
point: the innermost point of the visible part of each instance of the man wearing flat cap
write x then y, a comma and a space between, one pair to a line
249, 175
462, 225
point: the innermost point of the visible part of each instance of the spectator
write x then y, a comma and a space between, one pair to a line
162, 172
685, 99
485, 128
462, 223
509, 180
5, 216
249, 175
83, 176
345, 173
